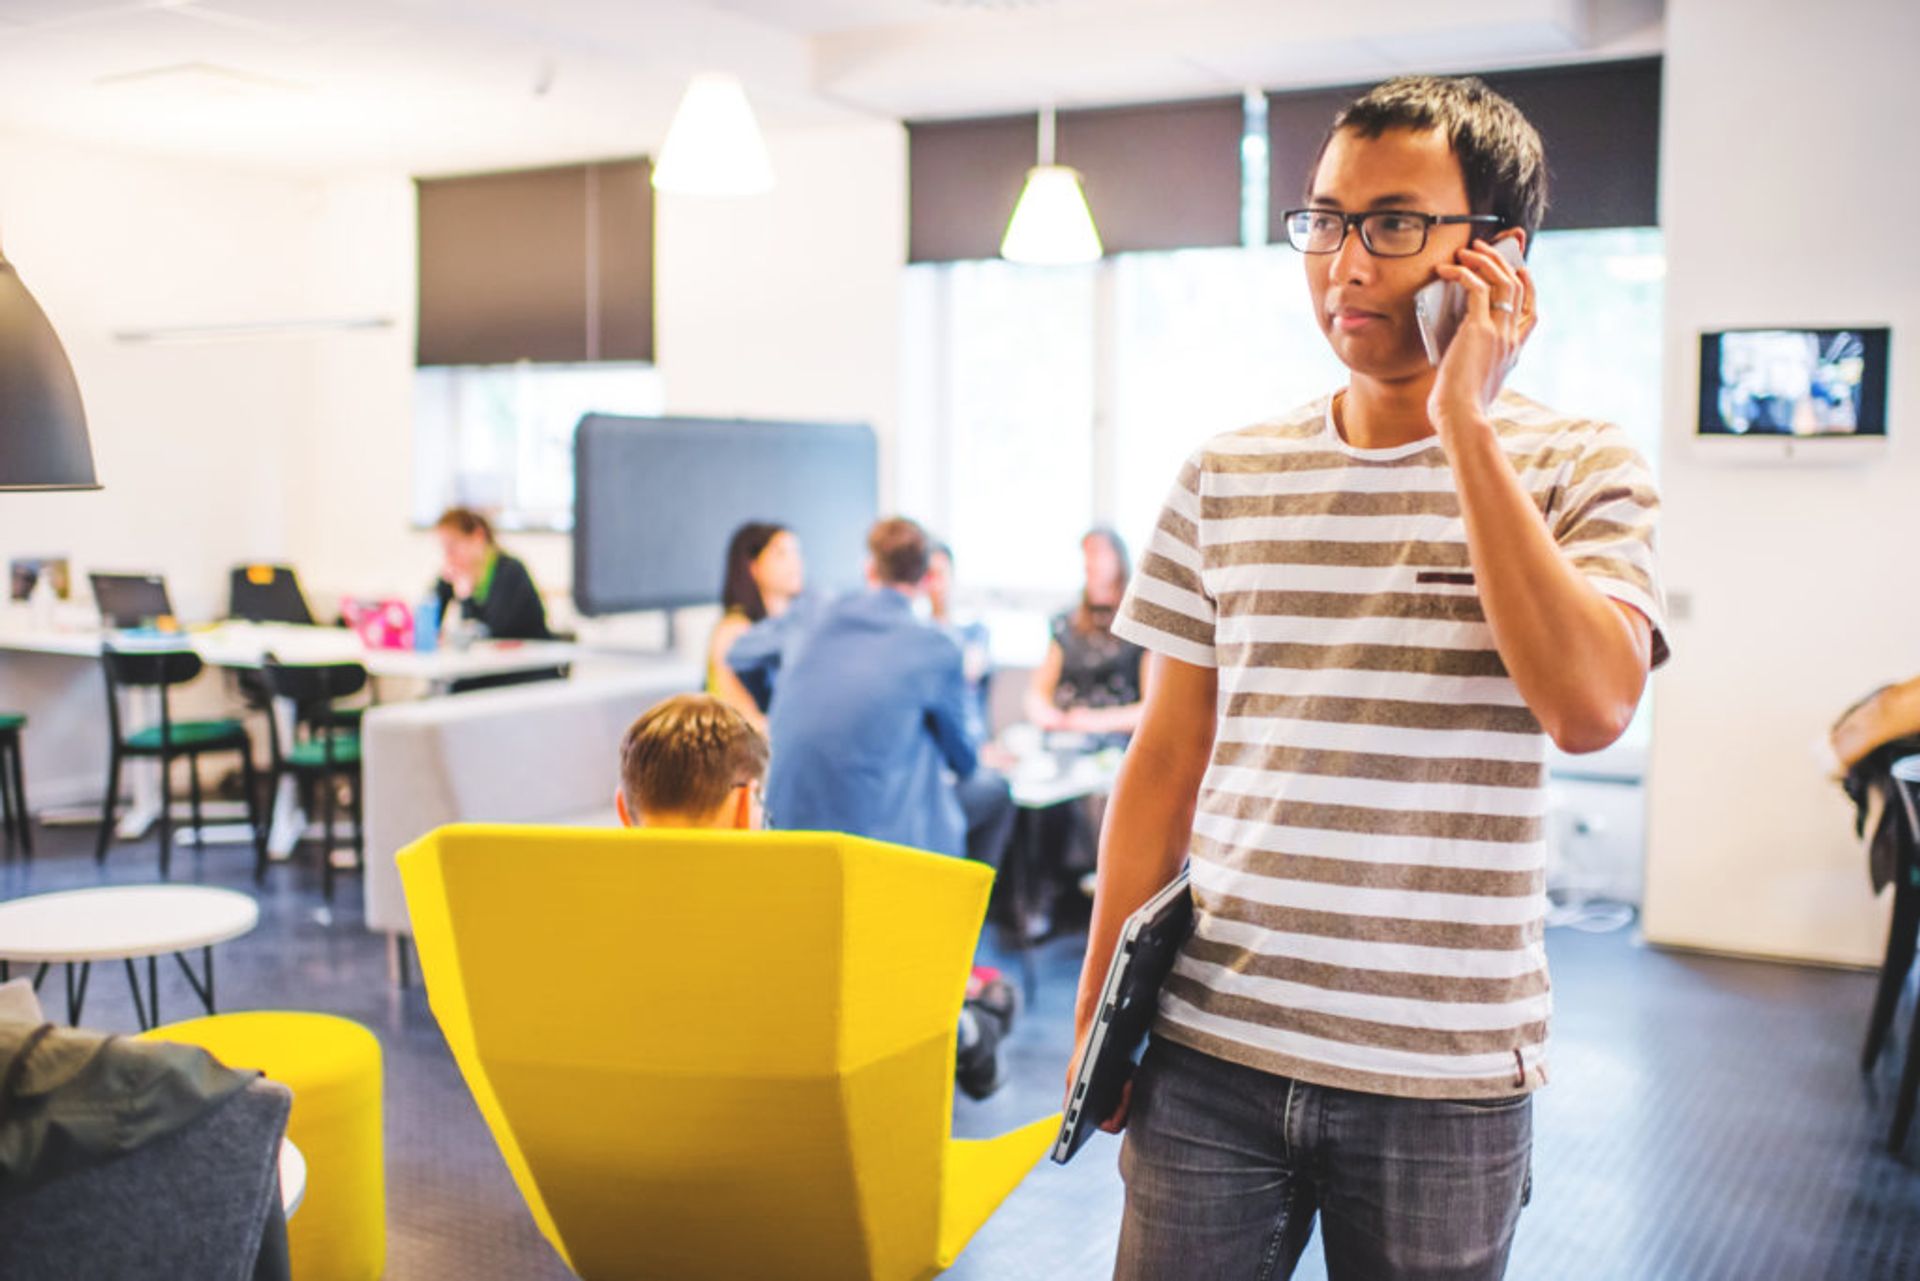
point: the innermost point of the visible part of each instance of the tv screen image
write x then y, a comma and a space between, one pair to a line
1793, 382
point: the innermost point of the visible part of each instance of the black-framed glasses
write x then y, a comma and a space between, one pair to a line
1387, 233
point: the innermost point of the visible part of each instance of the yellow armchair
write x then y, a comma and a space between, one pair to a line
716, 1054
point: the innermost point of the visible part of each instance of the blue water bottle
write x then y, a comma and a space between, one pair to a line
426, 624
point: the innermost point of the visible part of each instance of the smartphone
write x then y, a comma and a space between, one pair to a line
1440, 306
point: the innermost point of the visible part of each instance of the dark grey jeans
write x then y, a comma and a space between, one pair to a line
1226, 1166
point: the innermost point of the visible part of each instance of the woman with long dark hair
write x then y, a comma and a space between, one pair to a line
1091, 680
764, 573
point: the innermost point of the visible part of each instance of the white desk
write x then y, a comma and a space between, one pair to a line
246, 645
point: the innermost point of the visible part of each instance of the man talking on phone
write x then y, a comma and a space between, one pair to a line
1367, 618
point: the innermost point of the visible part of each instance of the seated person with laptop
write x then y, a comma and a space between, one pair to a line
694, 761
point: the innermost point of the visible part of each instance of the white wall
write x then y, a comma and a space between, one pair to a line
1788, 144
191, 441
789, 305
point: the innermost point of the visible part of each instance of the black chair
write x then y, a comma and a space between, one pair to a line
1904, 777
325, 745
169, 740
13, 786
267, 594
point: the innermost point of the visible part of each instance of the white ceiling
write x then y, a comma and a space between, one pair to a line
435, 86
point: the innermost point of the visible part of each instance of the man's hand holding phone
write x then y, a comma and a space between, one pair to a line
1499, 314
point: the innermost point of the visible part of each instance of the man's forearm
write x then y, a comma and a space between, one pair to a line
1142, 844
1576, 659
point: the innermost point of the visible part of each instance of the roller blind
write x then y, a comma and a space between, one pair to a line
541, 264
1164, 176
1599, 122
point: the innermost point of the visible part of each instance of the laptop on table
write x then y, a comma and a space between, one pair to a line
131, 600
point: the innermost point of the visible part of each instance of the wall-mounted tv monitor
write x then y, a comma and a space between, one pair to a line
1794, 384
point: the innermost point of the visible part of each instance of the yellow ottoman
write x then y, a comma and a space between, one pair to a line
332, 1065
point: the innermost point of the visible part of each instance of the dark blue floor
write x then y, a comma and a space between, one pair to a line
1707, 1118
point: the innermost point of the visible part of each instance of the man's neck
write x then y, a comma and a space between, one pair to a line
1379, 414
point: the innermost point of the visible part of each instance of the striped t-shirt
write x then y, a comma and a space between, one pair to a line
1368, 862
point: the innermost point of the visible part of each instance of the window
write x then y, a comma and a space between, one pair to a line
998, 446
1039, 401
500, 437
1206, 340
1596, 351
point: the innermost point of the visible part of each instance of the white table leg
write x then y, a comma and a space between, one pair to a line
289, 820
140, 775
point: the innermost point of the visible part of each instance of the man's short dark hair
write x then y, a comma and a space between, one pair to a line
1500, 153
901, 551
683, 756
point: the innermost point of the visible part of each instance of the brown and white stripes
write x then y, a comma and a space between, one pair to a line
1367, 854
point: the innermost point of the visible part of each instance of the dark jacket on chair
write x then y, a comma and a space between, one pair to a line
135, 1158
1891, 844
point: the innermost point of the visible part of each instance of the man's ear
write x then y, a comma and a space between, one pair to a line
873, 574
620, 808
1518, 234
743, 809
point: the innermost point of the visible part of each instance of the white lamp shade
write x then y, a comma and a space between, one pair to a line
1051, 224
713, 146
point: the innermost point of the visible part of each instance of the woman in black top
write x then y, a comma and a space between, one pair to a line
1091, 680
492, 588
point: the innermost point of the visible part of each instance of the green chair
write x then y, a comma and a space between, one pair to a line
324, 744
13, 787
170, 740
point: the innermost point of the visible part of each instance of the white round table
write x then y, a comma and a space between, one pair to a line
293, 1177
124, 923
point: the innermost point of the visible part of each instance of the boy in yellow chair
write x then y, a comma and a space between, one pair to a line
693, 761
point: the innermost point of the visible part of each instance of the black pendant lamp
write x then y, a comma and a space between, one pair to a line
43, 427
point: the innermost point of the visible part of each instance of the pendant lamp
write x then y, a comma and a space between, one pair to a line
43, 427
713, 146
1051, 224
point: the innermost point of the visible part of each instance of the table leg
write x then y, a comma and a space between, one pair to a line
139, 998
289, 820
141, 707
202, 987
77, 996
153, 990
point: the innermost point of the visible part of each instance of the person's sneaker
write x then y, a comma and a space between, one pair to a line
998, 998
976, 1068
